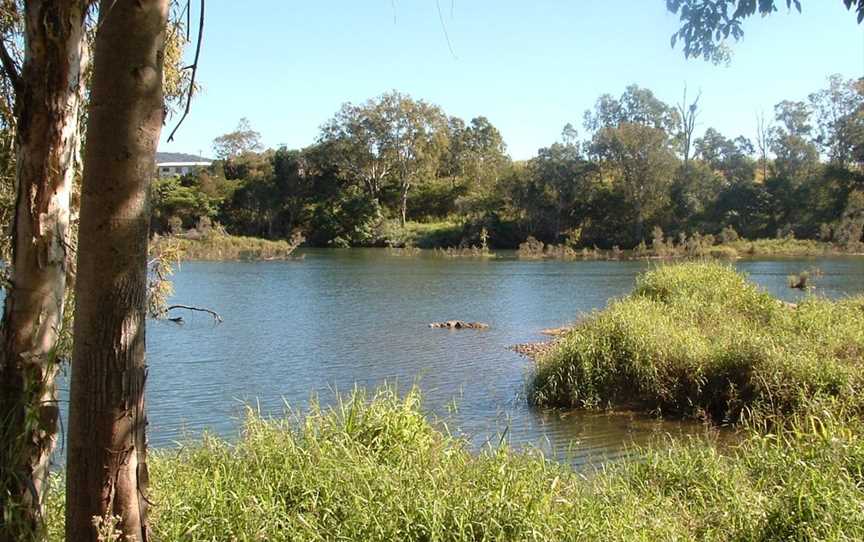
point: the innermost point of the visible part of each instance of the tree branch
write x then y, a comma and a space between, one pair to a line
10, 68
194, 73
212, 313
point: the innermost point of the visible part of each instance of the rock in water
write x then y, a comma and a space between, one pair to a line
459, 324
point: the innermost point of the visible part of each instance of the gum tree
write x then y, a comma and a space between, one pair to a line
47, 90
107, 474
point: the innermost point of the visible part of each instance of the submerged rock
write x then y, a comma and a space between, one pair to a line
459, 324
534, 351
557, 331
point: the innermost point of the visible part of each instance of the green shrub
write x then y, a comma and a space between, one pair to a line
699, 340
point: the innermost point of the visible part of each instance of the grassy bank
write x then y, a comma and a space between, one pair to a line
434, 234
378, 471
694, 247
784, 247
700, 340
219, 246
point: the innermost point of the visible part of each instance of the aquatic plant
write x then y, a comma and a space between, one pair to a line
803, 280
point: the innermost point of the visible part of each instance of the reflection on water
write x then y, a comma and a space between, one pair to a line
342, 318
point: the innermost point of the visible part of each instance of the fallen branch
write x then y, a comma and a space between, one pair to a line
212, 313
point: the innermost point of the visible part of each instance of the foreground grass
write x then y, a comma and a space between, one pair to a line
378, 471
700, 340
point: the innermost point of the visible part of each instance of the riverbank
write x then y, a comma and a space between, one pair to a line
450, 237
446, 239
219, 246
698, 340
378, 470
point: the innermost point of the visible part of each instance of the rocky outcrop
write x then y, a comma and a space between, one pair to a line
459, 324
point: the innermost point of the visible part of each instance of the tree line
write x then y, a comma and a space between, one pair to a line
380, 168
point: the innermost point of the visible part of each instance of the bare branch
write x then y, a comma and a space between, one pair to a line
444, 29
10, 67
212, 313
194, 73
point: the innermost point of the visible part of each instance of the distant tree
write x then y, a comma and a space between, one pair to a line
392, 139
241, 141
838, 110
796, 156
746, 207
764, 128
340, 210
693, 192
561, 178
180, 199
688, 112
476, 156
569, 134
272, 205
640, 162
706, 25
732, 158
635, 106
631, 139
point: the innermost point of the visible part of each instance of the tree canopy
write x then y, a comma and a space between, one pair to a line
706, 25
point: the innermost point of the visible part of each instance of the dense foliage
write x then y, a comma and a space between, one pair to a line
376, 469
398, 171
698, 339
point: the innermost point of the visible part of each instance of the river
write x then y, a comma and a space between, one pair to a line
344, 318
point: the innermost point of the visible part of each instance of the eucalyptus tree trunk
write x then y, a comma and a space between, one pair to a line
107, 455
48, 95
406, 185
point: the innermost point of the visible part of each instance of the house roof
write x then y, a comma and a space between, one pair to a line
175, 158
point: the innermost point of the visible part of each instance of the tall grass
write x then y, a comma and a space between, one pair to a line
376, 470
219, 246
700, 340
785, 247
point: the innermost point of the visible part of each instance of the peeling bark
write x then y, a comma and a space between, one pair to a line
48, 100
107, 456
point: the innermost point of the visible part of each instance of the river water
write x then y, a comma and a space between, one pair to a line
344, 318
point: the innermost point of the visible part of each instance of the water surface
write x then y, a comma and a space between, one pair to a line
341, 318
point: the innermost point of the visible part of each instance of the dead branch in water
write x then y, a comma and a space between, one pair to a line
212, 313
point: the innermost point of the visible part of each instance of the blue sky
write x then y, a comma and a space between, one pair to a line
529, 66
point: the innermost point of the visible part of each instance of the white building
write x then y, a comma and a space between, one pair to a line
174, 164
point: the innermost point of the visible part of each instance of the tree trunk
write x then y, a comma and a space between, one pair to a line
48, 95
107, 469
405, 187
